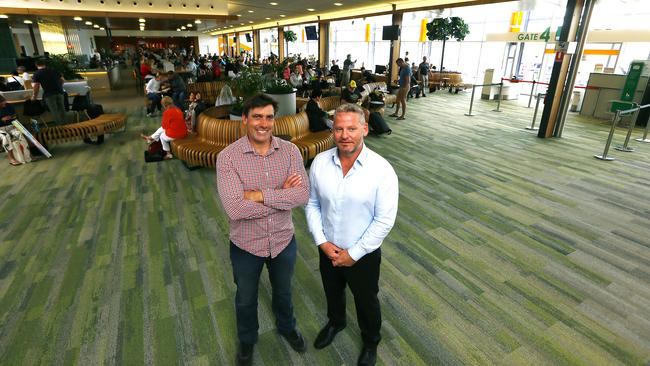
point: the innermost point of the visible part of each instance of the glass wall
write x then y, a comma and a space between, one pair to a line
246, 43
268, 42
349, 37
302, 46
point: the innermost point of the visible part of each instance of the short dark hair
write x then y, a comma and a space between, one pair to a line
399, 60
316, 93
40, 62
257, 101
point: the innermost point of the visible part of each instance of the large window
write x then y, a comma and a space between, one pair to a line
268, 42
246, 43
302, 46
349, 37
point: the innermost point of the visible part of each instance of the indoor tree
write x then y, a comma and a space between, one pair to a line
442, 29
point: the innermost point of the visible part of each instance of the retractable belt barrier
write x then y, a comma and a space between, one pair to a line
471, 102
617, 117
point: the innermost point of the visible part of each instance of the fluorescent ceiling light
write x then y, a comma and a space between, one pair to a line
141, 20
27, 21
88, 23
78, 19
198, 21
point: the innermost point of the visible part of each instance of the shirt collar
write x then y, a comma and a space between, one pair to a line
248, 148
361, 159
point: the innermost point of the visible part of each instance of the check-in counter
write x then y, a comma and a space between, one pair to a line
603, 88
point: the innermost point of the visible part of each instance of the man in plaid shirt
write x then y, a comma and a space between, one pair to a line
260, 178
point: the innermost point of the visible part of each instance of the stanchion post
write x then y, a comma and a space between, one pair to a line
532, 125
530, 97
500, 96
617, 117
624, 147
471, 102
645, 132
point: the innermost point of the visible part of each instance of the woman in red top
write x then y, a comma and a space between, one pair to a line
145, 69
173, 127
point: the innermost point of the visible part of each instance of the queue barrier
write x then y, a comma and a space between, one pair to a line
471, 102
617, 117
532, 125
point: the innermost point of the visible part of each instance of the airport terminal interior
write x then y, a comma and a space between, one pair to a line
522, 235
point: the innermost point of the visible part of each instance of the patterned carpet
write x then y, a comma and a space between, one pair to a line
508, 249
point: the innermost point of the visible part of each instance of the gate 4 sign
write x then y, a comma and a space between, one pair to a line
545, 36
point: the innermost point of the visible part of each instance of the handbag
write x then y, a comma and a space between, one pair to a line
33, 108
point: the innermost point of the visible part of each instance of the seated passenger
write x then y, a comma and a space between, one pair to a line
7, 131
351, 94
173, 127
225, 97
318, 118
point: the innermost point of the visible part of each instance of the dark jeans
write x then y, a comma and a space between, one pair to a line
179, 99
363, 279
155, 99
246, 270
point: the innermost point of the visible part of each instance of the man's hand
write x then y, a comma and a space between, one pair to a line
330, 250
343, 259
294, 180
255, 196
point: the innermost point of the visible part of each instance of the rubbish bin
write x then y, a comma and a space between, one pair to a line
575, 101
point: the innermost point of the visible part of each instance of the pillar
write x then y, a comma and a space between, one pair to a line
324, 43
281, 45
257, 44
394, 50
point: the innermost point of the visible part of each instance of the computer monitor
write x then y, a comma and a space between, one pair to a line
380, 69
390, 33
311, 33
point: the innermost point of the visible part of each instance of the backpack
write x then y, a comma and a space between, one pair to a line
14, 85
154, 152
378, 124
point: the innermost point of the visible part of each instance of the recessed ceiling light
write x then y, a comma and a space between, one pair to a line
101, 28
238, 15
178, 29
27, 21
267, 18
141, 20
273, 4
310, 9
251, 11
198, 21
4, 16
338, 4
241, 23
189, 25
282, 15
78, 19
183, 28
250, 21
88, 23
96, 26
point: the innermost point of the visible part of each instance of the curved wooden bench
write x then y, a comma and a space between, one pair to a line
212, 136
106, 123
309, 143
209, 89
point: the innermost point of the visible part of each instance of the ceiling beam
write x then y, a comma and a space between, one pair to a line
112, 14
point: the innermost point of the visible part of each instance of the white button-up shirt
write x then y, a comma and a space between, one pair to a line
356, 211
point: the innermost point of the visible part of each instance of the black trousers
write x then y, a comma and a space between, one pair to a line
363, 280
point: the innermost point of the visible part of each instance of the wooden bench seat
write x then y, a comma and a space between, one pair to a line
209, 90
106, 123
309, 143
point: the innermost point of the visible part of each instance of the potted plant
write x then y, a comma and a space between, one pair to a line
442, 29
244, 86
289, 36
63, 64
283, 93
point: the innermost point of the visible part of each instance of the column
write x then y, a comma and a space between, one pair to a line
560, 68
281, 45
394, 50
324, 43
257, 44
8, 52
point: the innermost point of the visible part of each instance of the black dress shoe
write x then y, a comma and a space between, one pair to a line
245, 354
296, 341
368, 356
326, 335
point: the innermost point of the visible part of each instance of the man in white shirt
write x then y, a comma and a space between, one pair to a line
351, 209
154, 95
168, 65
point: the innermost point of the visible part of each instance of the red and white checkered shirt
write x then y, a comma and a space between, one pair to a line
264, 229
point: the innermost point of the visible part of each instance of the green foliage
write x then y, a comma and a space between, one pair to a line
247, 84
277, 86
443, 29
290, 36
63, 63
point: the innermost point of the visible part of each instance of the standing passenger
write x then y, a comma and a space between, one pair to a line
260, 178
351, 209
